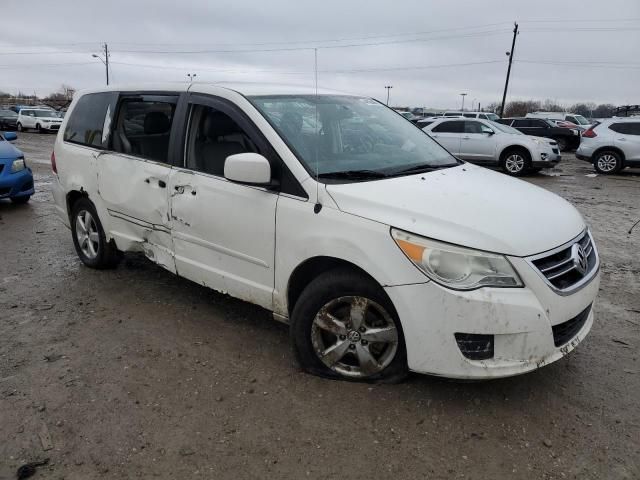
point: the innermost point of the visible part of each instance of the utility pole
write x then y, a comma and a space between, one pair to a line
388, 87
463, 95
105, 61
510, 55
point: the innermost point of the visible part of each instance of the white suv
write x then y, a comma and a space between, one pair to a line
38, 119
382, 251
494, 144
612, 145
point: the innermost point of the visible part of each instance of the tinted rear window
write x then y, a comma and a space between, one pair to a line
626, 128
455, 126
89, 118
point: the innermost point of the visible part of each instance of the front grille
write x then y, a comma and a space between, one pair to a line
570, 266
474, 346
564, 332
555, 150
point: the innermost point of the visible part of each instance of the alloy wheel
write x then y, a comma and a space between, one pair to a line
514, 163
87, 234
607, 162
354, 336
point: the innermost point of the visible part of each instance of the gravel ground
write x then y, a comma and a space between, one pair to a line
136, 373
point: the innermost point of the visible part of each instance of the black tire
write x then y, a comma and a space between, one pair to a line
334, 286
508, 163
20, 127
107, 255
562, 142
20, 200
607, 162
38, 128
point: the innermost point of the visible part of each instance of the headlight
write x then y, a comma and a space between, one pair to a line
456, 267
18, 165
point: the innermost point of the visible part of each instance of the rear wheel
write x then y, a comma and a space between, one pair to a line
607, 162
344, 326
516, 162
89, 238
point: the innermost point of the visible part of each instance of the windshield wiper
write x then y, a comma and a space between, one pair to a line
422, 168
353, 175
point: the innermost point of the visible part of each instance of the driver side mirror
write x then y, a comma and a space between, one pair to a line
248, 168
489, 132
10, 136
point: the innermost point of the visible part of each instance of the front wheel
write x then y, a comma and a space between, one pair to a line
20, 127
344, 326
89, 238
607, 162
516, 162
38, 128
562, 143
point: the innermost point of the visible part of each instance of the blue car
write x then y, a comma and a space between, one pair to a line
16, 179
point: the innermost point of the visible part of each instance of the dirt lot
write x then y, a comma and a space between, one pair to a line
136, 373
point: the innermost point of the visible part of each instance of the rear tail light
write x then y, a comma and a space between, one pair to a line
589, 133
54, 167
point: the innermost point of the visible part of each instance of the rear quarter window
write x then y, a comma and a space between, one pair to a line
88, 119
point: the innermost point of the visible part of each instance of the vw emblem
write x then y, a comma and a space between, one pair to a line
579, 257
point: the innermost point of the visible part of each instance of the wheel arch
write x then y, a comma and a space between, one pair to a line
608, 148
72, 197
514, 146
310, 268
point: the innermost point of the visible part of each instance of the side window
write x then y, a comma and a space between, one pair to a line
626, 128
538, 123
571, 119
449, 127
521, 123
472, 127
143, 126
483, 116
88, 118
212, 137
469, 115
634, 128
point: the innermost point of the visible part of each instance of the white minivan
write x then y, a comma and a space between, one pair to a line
383, 252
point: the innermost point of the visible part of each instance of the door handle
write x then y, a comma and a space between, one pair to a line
466, 138
622, 139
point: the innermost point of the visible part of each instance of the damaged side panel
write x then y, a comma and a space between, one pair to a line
137, 205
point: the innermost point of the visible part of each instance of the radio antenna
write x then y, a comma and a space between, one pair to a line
318, 205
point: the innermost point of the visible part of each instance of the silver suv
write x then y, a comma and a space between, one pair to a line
612, 145
493, 144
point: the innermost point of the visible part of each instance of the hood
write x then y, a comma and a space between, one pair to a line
466, 205
8, 151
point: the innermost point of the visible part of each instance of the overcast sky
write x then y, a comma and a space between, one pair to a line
429, 51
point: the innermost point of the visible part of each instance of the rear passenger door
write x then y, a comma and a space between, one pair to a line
478, 143
133, 176
223, 232
448, 134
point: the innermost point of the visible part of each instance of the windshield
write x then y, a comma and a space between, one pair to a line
581, 120
45, 113
350, 135
505, 128
492, 116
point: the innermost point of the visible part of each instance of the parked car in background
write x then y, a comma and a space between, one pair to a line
493, 144
566, 138
482, 115
382, 251
612, 145
8, 120
16, 179
38, 119
569, 117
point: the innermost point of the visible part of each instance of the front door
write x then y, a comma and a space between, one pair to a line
478, 143
223, 232
133, 176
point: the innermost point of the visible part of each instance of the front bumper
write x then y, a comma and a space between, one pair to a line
14, 185
520, 320
547, 159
